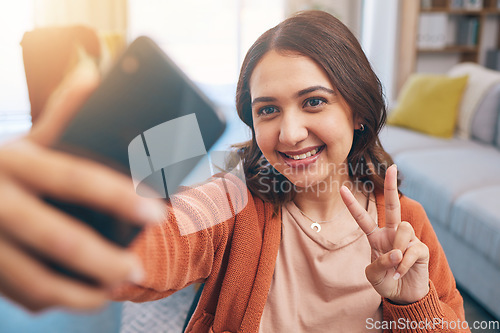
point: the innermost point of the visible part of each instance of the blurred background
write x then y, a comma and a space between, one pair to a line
207, 39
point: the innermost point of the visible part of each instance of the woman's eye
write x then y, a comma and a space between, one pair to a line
267, 110
314, 102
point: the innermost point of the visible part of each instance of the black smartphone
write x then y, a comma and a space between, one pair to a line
147, 120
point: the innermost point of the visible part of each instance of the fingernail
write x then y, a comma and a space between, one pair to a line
151, 212
394, 256
396, 276
345, 188
137, 272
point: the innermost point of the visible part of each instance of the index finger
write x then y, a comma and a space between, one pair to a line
357, 211
391, 196
76, 180
65, 101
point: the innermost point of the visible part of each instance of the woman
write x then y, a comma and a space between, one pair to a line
293, 258
322, 205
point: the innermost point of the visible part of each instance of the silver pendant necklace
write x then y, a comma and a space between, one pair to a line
316, 225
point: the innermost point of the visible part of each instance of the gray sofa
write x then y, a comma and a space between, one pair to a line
458, 183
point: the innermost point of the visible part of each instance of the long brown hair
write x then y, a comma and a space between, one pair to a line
323, 38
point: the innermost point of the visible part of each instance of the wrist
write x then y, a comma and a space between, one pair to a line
415, 298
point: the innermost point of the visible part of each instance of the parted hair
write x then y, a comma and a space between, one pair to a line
323, 38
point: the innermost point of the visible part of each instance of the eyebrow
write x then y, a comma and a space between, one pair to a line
300, 93
263, 99
314, 88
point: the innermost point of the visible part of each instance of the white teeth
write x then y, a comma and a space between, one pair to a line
306, 155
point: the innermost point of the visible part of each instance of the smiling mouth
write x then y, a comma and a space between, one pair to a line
310, 153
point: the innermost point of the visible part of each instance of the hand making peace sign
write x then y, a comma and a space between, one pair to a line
399, 269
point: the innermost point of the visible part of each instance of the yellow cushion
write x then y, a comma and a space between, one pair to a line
429, 103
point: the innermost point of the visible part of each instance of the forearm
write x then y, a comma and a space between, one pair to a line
181, 250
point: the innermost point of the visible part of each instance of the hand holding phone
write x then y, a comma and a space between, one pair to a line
148, 118
31, 229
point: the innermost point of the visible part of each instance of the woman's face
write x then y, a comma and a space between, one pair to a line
302, 125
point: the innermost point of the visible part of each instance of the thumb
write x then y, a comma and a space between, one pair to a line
65, 101
377, 271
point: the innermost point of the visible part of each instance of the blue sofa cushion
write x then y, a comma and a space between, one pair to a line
497, 141
475, 218
398, 139
15, 319
437, 177
484, 122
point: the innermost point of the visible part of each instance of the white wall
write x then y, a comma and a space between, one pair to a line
347, 11
379, 38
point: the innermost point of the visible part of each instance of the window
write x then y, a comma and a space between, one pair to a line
207, 39
15, 18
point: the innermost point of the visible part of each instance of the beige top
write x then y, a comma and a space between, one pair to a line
319, 282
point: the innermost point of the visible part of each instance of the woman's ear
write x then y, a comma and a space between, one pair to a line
358, 123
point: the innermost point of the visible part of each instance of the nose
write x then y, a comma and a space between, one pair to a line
292, 129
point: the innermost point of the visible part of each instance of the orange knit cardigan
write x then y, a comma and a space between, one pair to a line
235, 259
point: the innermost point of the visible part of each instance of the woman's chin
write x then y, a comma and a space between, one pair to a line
312, 183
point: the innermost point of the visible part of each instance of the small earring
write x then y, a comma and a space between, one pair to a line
362, 127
